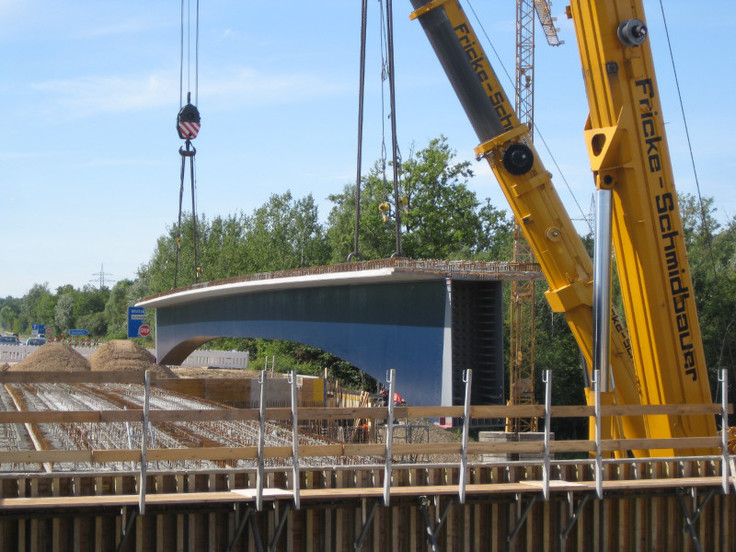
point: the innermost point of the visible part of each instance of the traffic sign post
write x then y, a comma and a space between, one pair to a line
78, 332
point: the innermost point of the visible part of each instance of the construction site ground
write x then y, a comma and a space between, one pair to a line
126, 355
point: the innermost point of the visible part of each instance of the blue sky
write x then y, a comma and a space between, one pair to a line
89, 163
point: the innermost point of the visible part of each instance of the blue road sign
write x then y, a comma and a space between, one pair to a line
136, 319
78, 332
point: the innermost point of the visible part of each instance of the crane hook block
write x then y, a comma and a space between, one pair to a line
385, 210
188, 122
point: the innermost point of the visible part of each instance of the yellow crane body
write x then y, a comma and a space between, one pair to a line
627, 146
532, 197
662, 361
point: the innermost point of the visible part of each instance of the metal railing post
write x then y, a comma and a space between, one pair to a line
391, 380
598, 452
144, 442
468, 379
723, 379
547, 380
262, 379
295, 437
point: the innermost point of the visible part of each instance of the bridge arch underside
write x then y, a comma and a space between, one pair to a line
407, 326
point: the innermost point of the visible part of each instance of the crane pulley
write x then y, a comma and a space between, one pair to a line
188, 121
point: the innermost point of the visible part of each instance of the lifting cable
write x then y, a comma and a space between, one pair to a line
394, 143
385, 207
361, 94
717, 274
188, 125
387, 73
703, 218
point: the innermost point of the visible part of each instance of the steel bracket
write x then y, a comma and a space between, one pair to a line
691, 519
248, 517
431, 532
279, 527
366, 523
522, 517
127, 527
574, 513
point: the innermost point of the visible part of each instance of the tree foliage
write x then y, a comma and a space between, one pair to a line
283, 233
441, 218
712, 258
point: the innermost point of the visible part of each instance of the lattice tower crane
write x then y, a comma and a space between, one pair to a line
522, 292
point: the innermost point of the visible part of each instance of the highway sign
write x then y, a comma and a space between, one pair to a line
78, 332
136, 319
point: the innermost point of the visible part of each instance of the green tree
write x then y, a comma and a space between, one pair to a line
441, 218
64, 313
94, 323
712, 259
37, 307
284, 234
10, 314
116, 310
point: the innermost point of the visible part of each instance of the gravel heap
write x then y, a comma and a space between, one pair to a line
53, 357
121, 354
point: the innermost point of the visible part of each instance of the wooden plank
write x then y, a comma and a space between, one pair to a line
660, 483
41, 456
320, 450
653, 444
203, 415
57, 376
572, 446
204, 453
94, 501
657, 409
68, 416
319, 413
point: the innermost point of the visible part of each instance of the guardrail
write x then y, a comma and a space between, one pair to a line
545, 449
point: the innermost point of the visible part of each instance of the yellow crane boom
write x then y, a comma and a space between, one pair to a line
625, 136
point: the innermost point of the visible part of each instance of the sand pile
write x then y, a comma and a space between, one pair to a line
53, 357
121, 354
